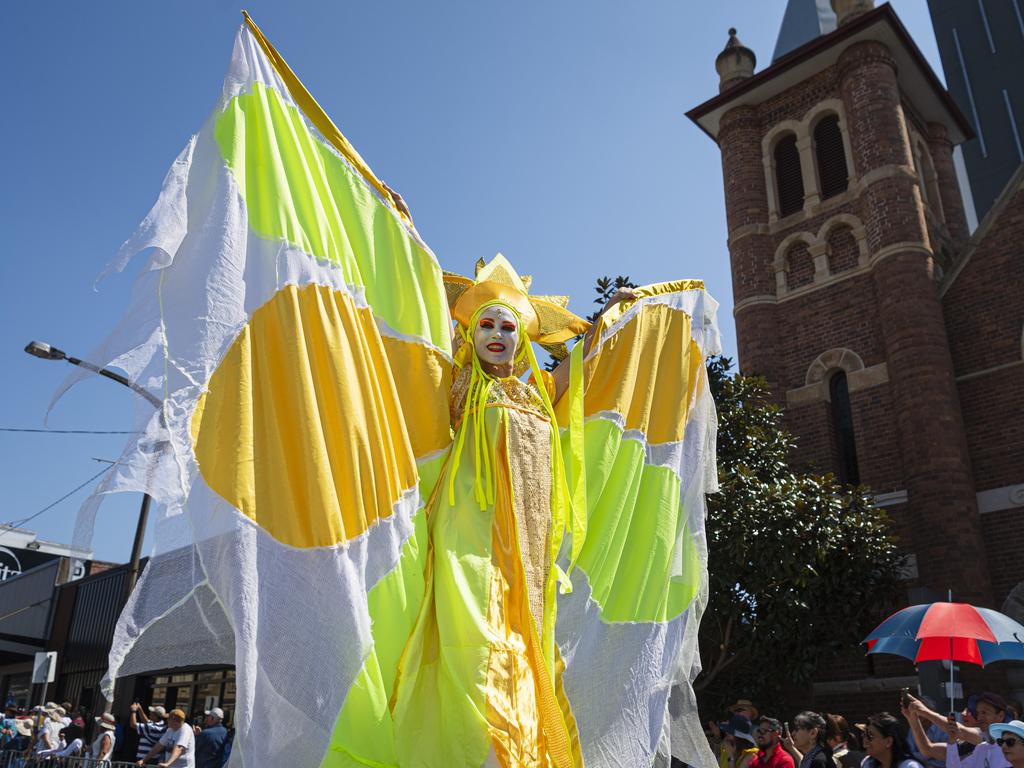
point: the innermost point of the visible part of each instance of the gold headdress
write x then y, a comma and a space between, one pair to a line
544, 319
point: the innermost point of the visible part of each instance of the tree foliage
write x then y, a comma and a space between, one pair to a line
799, 565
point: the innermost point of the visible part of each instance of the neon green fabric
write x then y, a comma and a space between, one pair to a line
576, 466
636, 517
433, 711
298, 189
394, 603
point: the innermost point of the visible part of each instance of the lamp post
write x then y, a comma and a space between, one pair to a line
45, 351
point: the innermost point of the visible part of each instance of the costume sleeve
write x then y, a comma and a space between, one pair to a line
292, 329
649, 458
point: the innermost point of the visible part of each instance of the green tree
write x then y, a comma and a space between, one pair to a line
800, 566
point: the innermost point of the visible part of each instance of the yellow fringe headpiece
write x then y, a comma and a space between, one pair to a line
544, 319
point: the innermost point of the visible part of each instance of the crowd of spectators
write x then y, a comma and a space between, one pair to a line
988, 733
152, 736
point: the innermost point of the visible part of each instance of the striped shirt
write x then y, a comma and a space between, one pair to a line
149, 734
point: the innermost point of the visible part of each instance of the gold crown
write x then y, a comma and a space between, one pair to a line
545, 319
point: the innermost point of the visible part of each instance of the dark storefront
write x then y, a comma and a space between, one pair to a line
41, 610
192, 690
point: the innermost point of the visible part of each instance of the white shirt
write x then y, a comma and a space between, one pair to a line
985, 755
184, 738
53, 728
97, 744
71, 750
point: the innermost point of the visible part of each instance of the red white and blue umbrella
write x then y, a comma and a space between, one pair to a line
949, 632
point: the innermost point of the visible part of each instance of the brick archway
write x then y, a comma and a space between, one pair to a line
826, 363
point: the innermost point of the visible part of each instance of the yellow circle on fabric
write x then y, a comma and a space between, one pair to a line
301, 427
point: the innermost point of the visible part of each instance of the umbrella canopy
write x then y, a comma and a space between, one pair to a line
949, 632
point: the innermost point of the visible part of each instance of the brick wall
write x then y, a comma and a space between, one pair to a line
983, 306
984, 312
842, 250
840, 315
909, 430
1004, 542
799, 266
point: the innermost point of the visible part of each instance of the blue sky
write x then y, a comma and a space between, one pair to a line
553, 132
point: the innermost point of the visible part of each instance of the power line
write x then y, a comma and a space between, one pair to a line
72, 492
70, 431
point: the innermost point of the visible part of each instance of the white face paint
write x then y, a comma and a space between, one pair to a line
496, 335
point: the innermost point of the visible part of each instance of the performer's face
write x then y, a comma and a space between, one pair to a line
496, 335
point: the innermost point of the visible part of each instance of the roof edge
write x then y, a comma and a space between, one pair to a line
1013, 186
884, 13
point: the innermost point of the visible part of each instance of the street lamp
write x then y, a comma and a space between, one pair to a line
45, 351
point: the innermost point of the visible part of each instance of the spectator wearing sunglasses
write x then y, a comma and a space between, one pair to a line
770, 753
1010, 739
885, 745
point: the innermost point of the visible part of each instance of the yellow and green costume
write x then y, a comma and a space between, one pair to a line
409, 562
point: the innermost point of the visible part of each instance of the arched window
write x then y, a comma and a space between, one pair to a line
788, 179
842, 426
833, 175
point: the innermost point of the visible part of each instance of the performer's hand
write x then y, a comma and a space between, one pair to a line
623, 294
399, 202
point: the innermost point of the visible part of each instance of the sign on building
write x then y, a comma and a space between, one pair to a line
44, 670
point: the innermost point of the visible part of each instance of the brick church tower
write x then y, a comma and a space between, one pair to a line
844, 214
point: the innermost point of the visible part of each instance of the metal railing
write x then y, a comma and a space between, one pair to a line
28, 760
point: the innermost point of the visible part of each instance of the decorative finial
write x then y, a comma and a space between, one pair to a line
847, 10
736, 62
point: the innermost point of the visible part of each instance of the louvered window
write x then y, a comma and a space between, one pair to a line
828, 146
788, 179
842, 427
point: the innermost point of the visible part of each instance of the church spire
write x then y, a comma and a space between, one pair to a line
803, 21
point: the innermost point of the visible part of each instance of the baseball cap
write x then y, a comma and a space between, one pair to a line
216, 712
158, 711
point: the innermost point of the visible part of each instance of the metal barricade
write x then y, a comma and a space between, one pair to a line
28, 760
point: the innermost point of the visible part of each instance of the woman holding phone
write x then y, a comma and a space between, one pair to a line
807, 743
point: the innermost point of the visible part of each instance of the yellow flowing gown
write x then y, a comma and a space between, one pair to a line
473, 679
